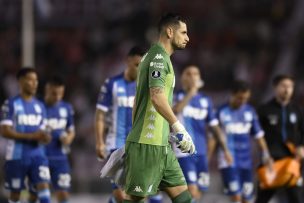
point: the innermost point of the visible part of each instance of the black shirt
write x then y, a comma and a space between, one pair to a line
281, 124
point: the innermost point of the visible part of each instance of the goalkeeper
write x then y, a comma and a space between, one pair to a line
151, 164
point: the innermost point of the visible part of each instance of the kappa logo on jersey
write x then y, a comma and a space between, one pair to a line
155, 74
137, 189
159, 56
204, 103
37, 108
151, 126
248, 116
149, 135
124, 101
121, 90
29, 119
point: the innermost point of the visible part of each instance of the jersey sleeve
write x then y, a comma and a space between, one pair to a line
7, 112
105, 96
43, 123
256, 129
158, 70
211, 116
70, 121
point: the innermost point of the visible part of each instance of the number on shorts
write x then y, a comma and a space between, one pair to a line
247, 188
64, 180
44, 172
204, 179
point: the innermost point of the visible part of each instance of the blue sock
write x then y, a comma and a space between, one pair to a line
44, 196
156, 198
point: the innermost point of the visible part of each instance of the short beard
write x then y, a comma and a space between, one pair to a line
176, 47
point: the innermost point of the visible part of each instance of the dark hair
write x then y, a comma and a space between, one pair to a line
240, 86
186, 66
277, 79
136, 51
169, 19
24, 71
56, 80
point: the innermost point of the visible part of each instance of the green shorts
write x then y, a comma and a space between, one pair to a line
149, 168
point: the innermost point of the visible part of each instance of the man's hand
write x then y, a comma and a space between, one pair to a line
42, 137
228, 157
299, 153
182, 138
267, 160
101, 151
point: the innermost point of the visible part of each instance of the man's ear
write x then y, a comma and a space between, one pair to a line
169, 32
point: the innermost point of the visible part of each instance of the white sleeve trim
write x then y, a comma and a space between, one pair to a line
259, 134
214, 122
6, 122
102, 107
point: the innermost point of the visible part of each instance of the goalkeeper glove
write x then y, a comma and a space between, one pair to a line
182, 138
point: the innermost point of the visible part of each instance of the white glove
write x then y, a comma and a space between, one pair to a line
182, 138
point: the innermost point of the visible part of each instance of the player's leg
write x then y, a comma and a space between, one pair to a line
40, 177
15, 173
61, 179
230, 176
173, 180
142, 174
117, 194
246, 179
188, 166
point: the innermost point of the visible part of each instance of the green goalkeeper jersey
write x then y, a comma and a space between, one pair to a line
155, 70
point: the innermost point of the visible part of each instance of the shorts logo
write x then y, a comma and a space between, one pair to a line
137, 189
155, 74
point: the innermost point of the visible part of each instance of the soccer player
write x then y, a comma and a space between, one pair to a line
23, 124
196, 112
114, 110
283, 123
60, 122
239, 121
150, 163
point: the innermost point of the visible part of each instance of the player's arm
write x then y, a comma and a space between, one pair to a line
7, 131
212, 144
220, 138
161, 104
266, 158
99, 133
179, 106
68, 135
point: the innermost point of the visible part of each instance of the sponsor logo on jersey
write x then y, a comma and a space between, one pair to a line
57, 123
273, 119
159, 65
124, 101
237, 128
159, 56
196, 113
29, 119
155, 74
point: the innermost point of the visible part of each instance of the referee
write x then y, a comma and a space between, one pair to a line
282, 122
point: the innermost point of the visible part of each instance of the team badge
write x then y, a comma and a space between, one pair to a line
248, 116
63, 112
293, 118
204, 103
37, 108
155, 74
273, 119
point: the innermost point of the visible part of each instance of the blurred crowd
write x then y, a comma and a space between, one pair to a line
86, 41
